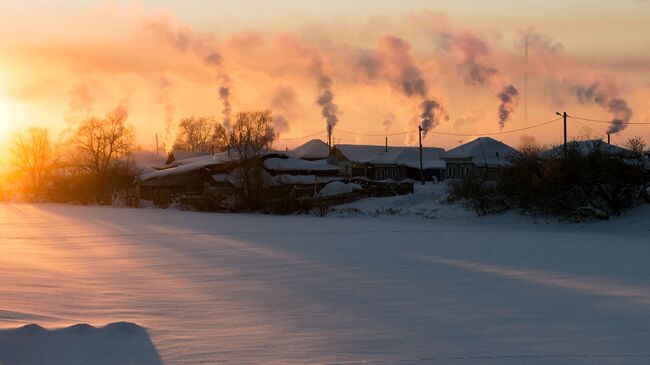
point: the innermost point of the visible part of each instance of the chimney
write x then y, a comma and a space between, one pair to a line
608, 138
386, 144
170, 158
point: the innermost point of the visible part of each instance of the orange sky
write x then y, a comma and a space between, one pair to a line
59, 64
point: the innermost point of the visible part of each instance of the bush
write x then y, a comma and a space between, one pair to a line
476, 194
582, 185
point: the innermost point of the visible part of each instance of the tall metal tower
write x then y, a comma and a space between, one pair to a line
526, 80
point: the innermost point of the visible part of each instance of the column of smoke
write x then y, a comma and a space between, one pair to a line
619, 108
79, 106
325, 98
224, 95
184, 40
215, 59
471, 51
509, 97
164, 89
283, 103
394, 62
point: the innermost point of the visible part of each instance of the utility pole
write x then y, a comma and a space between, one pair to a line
564, 115
421, 167
157, 148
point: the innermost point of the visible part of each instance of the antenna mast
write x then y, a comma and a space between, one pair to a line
526, 80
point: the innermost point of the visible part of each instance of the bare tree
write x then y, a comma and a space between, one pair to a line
251, 136
101, 143
636, 144
200, 134
31, 152
529, 147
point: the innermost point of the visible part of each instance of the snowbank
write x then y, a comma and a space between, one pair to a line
337, 188
116, 343
427, 201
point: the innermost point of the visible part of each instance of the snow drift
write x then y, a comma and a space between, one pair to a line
116, 343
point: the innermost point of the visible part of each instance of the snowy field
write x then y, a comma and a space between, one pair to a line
350, 288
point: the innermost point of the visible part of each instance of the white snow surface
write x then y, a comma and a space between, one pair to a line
251, 289
116, 343
482, 151
338, 188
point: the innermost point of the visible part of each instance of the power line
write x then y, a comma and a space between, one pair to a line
375, 135
451, 134
496, 133
303, 137
605, 121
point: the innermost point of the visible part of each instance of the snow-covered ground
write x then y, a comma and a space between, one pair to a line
250, 289
428, 201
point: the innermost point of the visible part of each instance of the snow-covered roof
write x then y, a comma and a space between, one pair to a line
360, 153
189, 165
297, 164
483, 151
312, 150
410, 157
586, 147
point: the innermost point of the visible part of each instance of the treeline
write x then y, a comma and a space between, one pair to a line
582, 184
94, 162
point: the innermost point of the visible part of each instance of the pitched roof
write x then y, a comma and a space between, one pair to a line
483, 151
586, 147
410, 157
312, 150
297, 164
189, 165
360, 153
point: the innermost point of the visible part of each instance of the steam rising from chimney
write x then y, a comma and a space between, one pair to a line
619, 108
509, 98
471, 50
394, 62
164, 89
432, 111
283, 102
325, 99
224, 96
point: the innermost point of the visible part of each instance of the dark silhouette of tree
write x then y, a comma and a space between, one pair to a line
100, 144
200, 134
31, 152
250, 138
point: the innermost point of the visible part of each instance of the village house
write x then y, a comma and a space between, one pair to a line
388, 162
586, 147
483, 155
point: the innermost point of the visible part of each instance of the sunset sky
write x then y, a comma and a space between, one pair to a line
61, 61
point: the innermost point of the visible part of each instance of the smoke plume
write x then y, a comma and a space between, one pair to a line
393, 62
224, 96
389, 120
509, 98
619, 108
164, 90
432, 112
325, 99
471, 51
283, 103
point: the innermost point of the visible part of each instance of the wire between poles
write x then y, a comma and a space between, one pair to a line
604, 121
